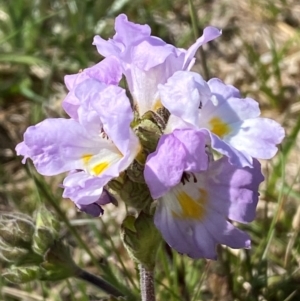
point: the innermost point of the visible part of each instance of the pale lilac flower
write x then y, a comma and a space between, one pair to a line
147, 60
232, 122
235, 125
194, 203
96, 146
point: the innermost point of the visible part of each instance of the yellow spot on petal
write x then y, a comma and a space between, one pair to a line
157, 105
193, 209
86, 158
219, 127
99, 168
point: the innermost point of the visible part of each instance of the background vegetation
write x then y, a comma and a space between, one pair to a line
259, 52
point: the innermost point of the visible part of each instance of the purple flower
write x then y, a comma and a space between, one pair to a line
233, 123
147, 60
194, 203
96, 145
237, 130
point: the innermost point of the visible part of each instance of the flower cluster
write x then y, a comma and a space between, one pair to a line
191, 119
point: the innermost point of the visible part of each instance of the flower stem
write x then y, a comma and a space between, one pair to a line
147, 283
99, 282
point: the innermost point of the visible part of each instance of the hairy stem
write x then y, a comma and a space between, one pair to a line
147, 284
99, 282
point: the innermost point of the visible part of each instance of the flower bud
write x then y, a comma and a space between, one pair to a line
16, 229
22, 274
148, 131
134, 194
135, 172
46, 231
12, 254
43, 239
141, 239
45, 219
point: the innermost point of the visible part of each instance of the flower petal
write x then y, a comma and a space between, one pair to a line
183, 150
82, 188
112, 107
225, 233
235, 156
183, 94
209, 33
94, 209
158, 179
258, 137
223, 91
234, 190
185, 236
147, 71
225, 108
108, 71
152, 52
127, 33
57, 145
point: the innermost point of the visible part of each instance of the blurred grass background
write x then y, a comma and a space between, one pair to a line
259, 52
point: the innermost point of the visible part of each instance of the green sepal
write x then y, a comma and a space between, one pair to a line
22, 274
160, 117
47, 229
43, 239
45, 219
136, 195
148, 132
135, 172
141, 239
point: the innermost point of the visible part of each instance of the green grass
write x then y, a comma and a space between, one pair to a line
41, 41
